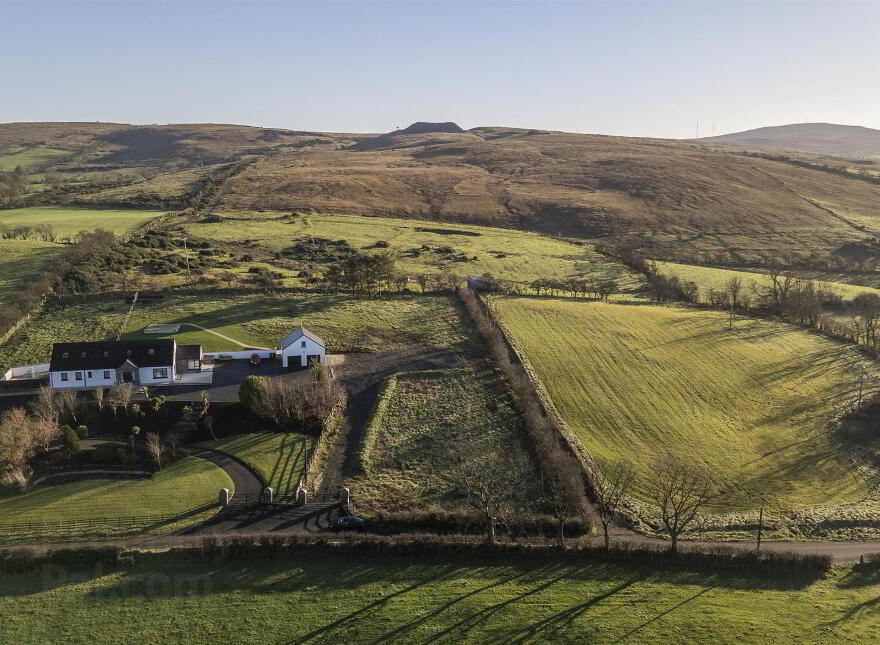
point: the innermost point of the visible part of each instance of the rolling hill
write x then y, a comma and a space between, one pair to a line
681, 197
819, 138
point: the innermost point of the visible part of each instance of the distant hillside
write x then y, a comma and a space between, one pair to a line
820, 138
684, 199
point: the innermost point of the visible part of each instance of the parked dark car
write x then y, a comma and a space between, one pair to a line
348, 523
255, 360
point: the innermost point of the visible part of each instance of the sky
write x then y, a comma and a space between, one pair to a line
653, 68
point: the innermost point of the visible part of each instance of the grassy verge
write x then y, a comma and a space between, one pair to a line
421, 423
436, 599
750, 403
278, 457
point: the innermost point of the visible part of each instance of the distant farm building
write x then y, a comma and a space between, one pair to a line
301, 348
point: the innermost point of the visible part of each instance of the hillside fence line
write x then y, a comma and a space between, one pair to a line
536, 395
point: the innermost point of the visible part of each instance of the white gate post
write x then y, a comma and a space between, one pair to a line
223, 497
302, 490
268, 495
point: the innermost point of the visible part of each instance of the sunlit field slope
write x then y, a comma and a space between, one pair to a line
714, 278
69, 221
751, 403
21, 262
422, 246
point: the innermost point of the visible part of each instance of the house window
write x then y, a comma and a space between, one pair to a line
160, 372
303, 344
79, 376
128, 353
88, 375
63, 376
106, 375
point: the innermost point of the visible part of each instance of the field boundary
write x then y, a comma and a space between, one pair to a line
540, 393
374, 425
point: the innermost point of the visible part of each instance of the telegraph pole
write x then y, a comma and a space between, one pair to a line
186, 255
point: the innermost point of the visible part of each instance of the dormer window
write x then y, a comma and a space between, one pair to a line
65, 355
82, 355
151, 351
128, 353
106, 353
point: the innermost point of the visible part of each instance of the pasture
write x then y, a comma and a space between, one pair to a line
28, 156
21, 262
421, 246
339, 597
715, 278
68, 221
423, 421
100, 320
176, 489
751, 404
344, 323
278, 457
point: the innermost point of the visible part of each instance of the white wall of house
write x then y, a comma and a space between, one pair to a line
296, 354
152, 375
82, 378
105, 378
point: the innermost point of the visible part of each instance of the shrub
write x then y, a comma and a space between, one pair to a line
252, 394
70, 439
382, 244
82, 431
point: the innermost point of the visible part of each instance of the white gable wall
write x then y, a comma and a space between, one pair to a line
296, 354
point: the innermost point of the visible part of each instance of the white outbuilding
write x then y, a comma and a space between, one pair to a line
301, 348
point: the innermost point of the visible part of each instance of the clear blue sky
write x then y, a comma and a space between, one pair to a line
645, 69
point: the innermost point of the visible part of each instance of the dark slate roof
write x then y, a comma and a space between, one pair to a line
189, 352
111, 354
299, 332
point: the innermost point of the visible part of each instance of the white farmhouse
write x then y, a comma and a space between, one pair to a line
301, 348
105, 363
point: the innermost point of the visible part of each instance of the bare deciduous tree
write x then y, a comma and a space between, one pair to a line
122, 393
98, 395
679, 490
613, 481
154, 447
47, 404
487, 484
564, 495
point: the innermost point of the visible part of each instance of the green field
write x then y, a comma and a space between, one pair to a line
344, 323
278, 457
27, 156
336, 597
68, 221
72, 323
181, 486
21, 262
425, 418
751, 404
505, 253
713, 278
